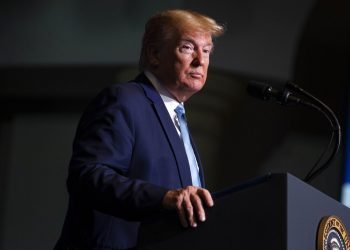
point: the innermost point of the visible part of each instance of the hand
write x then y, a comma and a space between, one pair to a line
188, 202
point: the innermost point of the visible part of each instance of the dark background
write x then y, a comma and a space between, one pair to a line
56, 55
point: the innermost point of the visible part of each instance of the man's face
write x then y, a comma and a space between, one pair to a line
183, 63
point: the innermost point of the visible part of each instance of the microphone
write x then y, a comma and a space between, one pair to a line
266, 92
287, 96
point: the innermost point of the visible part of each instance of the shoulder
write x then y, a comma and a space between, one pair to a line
116, 102
126, 98
129, 93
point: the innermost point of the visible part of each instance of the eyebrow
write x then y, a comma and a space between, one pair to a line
194, 42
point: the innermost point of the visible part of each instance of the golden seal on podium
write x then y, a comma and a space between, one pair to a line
332, 234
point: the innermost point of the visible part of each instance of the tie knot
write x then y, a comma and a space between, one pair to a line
180, 110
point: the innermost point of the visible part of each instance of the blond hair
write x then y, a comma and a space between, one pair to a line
165, 24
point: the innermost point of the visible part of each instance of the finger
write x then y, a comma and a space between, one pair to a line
179, 208
198, 207
188, 208
182, 216
206, 197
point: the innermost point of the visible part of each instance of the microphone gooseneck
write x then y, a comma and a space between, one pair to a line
333, 120
293, 94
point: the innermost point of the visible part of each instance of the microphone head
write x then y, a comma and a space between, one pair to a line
259, 90
266, 92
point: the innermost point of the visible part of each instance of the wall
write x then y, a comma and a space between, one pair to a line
241, 137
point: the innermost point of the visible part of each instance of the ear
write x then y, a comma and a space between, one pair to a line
153, 56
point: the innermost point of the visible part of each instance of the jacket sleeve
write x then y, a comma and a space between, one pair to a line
102, 154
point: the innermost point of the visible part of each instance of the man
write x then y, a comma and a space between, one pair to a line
130, 157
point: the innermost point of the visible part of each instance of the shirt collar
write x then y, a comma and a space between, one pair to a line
168, 100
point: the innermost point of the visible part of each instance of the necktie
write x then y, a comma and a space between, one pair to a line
180, 111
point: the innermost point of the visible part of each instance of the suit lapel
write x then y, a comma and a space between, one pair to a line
201, 176
170, 131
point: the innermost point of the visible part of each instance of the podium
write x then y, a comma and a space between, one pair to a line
273, 212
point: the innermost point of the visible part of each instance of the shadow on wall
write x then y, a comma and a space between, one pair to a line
238, 137
322, 66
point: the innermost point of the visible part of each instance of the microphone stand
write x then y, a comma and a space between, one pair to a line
331, 117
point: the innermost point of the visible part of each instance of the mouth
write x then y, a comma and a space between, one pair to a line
196, 75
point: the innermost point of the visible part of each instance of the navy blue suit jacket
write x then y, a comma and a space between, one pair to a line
126, 156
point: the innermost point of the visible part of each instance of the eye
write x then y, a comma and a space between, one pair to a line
186, 48
207, 50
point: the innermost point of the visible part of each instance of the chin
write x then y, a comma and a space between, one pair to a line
196, 86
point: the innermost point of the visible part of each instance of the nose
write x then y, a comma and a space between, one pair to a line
198, 58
